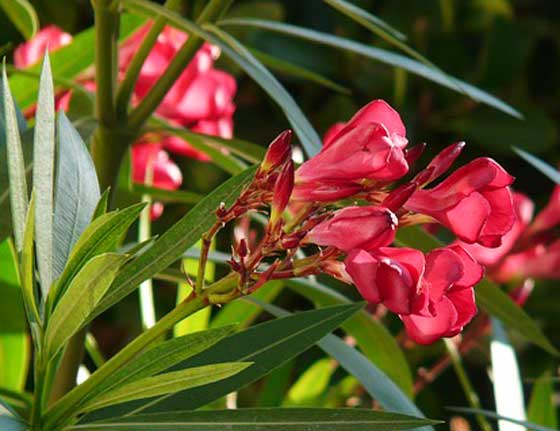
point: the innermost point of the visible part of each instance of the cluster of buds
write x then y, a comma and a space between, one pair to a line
345, 204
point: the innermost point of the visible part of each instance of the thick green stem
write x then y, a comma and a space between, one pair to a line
61, 412
213, 10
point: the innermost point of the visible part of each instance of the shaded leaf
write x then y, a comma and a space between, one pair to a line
537, 163
381, 55
493, 415
77, 192
261, 420
23, 16
542, 408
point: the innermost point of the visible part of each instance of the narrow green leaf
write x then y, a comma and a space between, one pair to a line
312, 383
10, 423
385, 352
77, 192
23, 16
378, 385
262, 420
168, 383
493, 415
173, 243
244, 59
506, 378
14, 345
75, 307
101, 236
102, 205
156, 360
268, 345
16, 164
296, 71
542, 408
27, 275
67, 62
43, 176
488, 295
167, 196
541, 166
381, 55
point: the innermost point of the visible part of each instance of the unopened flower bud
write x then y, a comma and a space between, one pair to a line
242, 248
397, 198
412, 154
337, 269
265, 275
278, 152
282, 191
293, 240
442, 161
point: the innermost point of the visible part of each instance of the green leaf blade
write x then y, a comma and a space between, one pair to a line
23, 16
43, 176
76, 194
551, 172
75, 308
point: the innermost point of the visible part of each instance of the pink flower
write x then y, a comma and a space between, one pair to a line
32, 51
474, 202
367, 228
539, 261
149, 159
549, 215
369, 147
390, 276
433, 294
201, 98
450, 276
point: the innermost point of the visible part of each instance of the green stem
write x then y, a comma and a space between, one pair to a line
213, 10
468, 389
61, 413
126, 87
38, 392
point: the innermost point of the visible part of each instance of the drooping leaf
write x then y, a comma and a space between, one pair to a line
506, 378
76, 194
23, 16
385, 353
16, 164
67, 62
378, 385
381, 55
244, 59
14, 345
43, 177
268, 345
173, 243
74, 310
261, 420
542, 409
101, 236
530, 426
167, 383
489, 296
537, 163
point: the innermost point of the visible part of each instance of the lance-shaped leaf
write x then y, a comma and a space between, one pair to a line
23, 16
154, 361
101, 236
16, 163
43, 176
381, 55
489, 414
550, 171
178, 238
268, 345
74, 310
77, 192
261, 420
168, 383
27, 267
542, 407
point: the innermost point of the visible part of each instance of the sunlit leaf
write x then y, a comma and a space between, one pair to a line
542, 408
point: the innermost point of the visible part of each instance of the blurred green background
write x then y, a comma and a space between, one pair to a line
509, 48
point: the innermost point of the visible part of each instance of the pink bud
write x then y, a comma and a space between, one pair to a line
412, 154
282, 191
443, 161
397, 198
366, 227
242, 248
279, 151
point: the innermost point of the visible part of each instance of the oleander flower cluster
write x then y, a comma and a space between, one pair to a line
201, 99
349, 201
